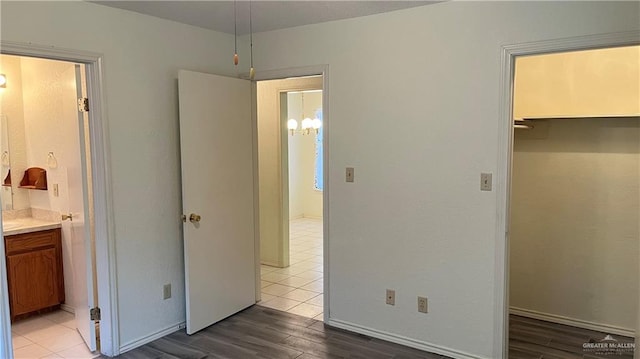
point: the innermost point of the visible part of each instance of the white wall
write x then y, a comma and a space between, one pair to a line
414, 99
141, 58
588, 83
51, 125
575, 204
304, 199
414, 108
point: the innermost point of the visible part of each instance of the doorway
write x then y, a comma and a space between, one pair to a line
78, 162
558, 227
40, 103
290, 140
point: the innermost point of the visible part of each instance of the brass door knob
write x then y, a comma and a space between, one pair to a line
67, 216
194, 218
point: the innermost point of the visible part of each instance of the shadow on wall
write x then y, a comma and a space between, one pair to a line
589, 135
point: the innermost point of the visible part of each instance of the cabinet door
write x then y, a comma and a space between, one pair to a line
33, 280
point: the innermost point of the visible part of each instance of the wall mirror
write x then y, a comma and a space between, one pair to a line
6, 193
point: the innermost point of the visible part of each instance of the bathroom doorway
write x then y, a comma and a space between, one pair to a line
291, 159
46, 127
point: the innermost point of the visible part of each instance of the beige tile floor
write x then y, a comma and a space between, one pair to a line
51, 335
298, 288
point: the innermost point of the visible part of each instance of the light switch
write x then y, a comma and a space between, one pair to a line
485, 182
350, 174
56, 192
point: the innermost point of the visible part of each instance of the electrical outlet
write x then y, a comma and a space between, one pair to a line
166, 291
422, 305
391, 297
350, 174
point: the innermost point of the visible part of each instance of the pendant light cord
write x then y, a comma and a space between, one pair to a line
251, 33
235, 33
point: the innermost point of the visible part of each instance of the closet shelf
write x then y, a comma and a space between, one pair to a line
7, 180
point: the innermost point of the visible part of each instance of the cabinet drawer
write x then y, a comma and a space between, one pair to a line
30, 241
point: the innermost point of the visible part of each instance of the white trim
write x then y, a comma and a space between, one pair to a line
151, 337
103, 208
578, 323
256, 187
505, 150
6, 345
326, 136
398, 339
303, 71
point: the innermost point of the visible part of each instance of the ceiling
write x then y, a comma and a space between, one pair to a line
266, 15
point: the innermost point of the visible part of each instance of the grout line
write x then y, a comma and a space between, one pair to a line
305, 249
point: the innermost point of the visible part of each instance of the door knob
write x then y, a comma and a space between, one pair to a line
67, 216
194, 218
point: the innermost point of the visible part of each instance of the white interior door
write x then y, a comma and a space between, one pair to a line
217, 184
81, 232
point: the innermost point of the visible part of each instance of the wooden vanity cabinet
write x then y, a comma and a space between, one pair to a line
34, 271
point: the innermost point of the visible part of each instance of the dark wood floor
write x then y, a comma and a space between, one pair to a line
260, 332
537, 339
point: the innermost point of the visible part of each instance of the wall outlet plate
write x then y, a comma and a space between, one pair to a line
391, 297
423, 305
166, 291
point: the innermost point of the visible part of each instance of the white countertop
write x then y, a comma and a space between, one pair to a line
27, 225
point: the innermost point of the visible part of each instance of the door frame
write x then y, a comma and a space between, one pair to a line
105, 261
505, 158
279, 74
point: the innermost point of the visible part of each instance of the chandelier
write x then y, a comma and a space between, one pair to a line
307, 123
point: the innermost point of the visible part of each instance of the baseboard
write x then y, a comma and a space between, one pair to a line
271, 264
398, 339
68, 309
151, 337
578, 323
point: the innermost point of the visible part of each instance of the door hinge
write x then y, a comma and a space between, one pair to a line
83, 104
94, 313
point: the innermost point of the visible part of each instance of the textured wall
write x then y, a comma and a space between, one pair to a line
414, 101
575, 204
142, 56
